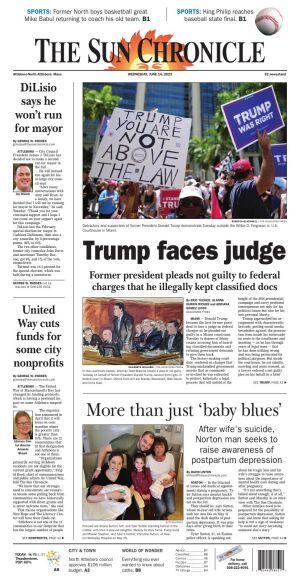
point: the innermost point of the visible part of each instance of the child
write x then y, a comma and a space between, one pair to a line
141, 477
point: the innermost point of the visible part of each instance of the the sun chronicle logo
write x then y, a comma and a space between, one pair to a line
150, 52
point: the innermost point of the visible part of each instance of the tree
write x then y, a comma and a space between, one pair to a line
96, 104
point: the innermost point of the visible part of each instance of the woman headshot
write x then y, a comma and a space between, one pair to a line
23, 426
162, 466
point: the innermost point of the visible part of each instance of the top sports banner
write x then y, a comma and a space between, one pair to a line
256, 111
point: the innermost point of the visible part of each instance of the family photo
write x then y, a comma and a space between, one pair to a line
132, 472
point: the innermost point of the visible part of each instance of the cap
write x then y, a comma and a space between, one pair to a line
242, 165
190, 182
280, 182
111, 182
190, 191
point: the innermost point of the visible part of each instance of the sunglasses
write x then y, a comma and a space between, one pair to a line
191, 201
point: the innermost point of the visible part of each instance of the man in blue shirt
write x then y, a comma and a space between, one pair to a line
108, 201
245, 198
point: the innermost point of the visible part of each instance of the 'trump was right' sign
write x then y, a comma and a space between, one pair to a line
258, 110
280, 159
145, 147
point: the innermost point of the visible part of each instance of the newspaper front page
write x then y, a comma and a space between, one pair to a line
147, 421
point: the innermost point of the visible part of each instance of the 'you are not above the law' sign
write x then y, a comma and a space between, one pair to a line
145, 147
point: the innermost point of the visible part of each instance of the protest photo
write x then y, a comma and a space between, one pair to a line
132, 472
184, 151
144, 331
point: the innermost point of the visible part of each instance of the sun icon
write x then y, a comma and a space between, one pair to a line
152, 61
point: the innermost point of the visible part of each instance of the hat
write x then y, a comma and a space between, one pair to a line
190, 182
111, 182
280, 182
242, 165
190, 191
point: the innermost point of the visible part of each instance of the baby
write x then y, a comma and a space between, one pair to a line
102, 490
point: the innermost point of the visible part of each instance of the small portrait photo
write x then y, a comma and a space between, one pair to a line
22, 177
23, 425
132, 472
144, 331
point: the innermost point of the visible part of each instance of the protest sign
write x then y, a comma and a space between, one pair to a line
225, 164
145, 147
258, 110
216, 212
169, 200
280, 159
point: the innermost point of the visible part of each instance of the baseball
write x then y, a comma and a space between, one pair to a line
268, 21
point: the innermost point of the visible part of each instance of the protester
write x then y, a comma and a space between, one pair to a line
148, 201
226, 182
108, 201
89, 193
245, 198
279, 199
191, 204
122, 190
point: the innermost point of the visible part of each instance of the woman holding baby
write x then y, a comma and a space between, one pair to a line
113, 473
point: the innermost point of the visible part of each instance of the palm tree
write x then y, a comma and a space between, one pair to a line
96, 104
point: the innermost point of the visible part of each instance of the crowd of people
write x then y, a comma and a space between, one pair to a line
125, 335
150, 471
238, 193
